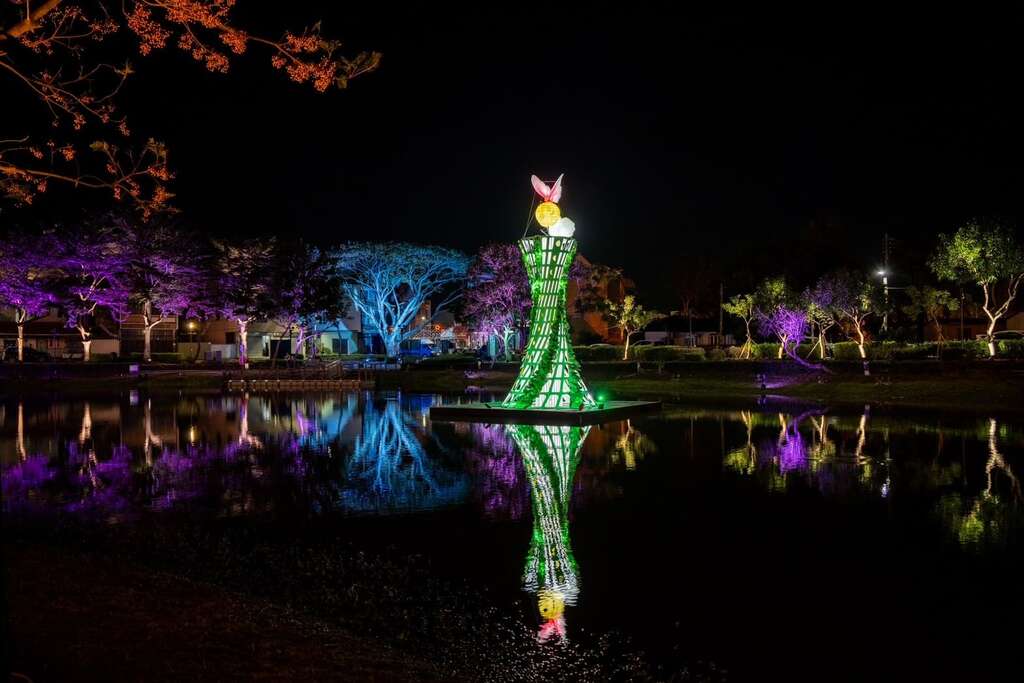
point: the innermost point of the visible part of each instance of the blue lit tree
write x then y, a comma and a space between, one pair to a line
391, 470
389, 282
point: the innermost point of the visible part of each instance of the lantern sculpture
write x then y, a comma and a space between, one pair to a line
549, 376
550, 456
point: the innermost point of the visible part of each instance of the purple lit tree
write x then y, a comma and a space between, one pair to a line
790, 325
389, 282
165, 274
817, 302
498, 294
93, 266
27, 276
243, 273
307, 292
854, 298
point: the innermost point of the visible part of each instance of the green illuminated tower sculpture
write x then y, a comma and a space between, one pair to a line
550, 455
549, 376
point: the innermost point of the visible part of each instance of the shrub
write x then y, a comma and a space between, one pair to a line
765, 351
846, 351
734, 351
964, 350
1010, 348
915, 351
598, 352
716, 354
669, 353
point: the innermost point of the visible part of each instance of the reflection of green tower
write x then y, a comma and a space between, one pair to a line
550, 375
550, 455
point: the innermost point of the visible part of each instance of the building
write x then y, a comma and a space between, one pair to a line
679, 330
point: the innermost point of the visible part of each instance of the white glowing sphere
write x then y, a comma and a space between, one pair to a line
563, 227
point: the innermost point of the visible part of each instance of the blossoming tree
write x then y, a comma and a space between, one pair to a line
48, 50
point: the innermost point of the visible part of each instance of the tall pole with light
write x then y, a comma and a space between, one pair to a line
884, 274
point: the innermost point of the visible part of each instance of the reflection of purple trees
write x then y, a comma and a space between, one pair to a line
500, 485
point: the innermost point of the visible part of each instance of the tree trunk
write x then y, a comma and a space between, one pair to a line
243, 342
625, 353
863, 353
391, 345
21, 342
991, 331
147, 335
86, 343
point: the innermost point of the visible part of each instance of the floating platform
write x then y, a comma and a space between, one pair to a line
494, 413
295, 384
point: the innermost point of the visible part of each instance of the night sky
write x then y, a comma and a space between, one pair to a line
742, 145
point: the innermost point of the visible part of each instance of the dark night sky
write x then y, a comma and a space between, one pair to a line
754, 143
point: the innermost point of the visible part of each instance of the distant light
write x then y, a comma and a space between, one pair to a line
882, 273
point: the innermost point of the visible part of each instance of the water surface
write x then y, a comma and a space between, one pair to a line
773, 542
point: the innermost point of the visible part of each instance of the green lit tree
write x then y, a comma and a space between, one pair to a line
932, 303
988, 254
629, 317
743, 307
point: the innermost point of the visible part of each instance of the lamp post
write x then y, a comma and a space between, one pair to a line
885, 286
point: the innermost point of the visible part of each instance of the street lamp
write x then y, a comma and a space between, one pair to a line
884, 274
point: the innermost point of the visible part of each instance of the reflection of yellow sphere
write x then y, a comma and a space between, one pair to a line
547, 214
550, 604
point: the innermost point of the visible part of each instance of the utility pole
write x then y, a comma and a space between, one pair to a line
721, 300
885, 280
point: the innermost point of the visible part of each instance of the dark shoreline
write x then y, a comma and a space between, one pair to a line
974, 387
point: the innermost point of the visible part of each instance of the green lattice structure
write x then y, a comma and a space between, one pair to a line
550, 374
550, 456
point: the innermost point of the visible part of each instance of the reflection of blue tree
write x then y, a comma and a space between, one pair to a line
390, 469
550, 455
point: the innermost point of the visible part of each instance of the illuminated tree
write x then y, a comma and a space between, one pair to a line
790, 325
629, 317
932, 303
743, 307
817, 302
389, 282
307, 291
27, 277
165, 275
243, 274
497, 298
771, 296
49, 50
854, 298
93, 266
987, 254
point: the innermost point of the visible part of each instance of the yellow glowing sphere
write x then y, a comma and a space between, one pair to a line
547, 214
550, 604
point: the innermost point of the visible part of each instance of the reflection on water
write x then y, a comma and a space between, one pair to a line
551, 455
723, 489
362, 453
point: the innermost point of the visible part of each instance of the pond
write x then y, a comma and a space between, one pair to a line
757, 543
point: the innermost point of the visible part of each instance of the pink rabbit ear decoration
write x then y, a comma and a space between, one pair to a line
548, 194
